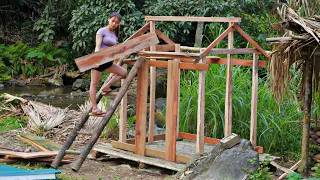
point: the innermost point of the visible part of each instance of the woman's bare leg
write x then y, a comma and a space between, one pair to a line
119, 73
95, 78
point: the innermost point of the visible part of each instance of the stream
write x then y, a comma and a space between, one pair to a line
58, 97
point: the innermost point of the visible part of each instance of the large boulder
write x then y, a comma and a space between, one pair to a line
80, 84
220, 163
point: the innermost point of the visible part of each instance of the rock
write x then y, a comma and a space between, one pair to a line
80, 84
21, 84
25, 95
227, 163
36, 82
160, 104
58, 82
1, 85
161, 88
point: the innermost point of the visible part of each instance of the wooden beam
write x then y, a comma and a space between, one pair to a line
193, 137
142, 97
238, 62
164, 64
157, 137
172, 109
201, 109
178, 49
153, 82
228, 99
117, 51
293, 168
149, 152
163, 47
216, 41
140, 31
170, 55
223, 51
254, 101
164, 37
251, 41
123, 114
191, 18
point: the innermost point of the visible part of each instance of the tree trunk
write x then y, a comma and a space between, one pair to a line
199, 32
307, 114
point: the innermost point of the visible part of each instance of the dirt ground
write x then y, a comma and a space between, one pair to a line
102, 169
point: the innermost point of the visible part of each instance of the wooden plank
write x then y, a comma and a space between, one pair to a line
117, 51
251, 41
123, 114
201, 109
164, 64
286, 170
39, 147
293, 168
140, 31
230, 141
254, 101
43, 142
178, 49
147, 160
153, 82
157, 137
29, 155
172, 109
142, 97
228, 99
223, 51
149, 152
163, 47
170, 55
238, 62
192, 18
216, 41
193, 137
164, 37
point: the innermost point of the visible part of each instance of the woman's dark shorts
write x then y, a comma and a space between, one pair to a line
103, 67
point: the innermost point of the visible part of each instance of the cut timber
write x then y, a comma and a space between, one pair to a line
239, 62
76, 166
251, 41
254, 101
29, 155
286, 170
192, 18
164, 37
193, 137
201, 110
140, 31
39, 147
117, 51
149, 152
123, 114
163, 47
46, 143
170, 55
155, 138
293, 168
107, 149
164, 64
222, 51
230, 141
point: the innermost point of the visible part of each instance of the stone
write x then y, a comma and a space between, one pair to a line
161, 88
58, 82
80, 84
227, 163
1, 85
160, 104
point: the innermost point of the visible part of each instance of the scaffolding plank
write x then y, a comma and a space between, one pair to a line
192, 18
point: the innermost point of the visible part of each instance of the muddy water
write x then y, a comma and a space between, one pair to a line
58, 97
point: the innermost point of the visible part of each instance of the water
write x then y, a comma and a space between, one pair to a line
58, 97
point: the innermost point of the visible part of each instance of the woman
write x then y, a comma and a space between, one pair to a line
106, 37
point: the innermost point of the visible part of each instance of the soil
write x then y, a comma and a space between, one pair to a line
102, 168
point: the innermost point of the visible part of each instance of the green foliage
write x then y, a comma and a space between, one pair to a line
274, 120
11, 123
262, 173
91, 15
294, 176
31, 61
4, 72
316, 170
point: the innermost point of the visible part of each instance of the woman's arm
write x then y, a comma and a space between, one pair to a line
98, 43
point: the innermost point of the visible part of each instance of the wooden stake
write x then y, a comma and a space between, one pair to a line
141, 117
153, 82
178, 49
76, 166
172, 110
123, 114
201, 109
254, 101
228, 101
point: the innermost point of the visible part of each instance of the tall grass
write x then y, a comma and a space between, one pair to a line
278, 131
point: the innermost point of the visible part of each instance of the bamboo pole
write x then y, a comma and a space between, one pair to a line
307, 114
77, 128
76, 166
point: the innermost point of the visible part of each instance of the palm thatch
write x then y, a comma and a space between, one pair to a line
297, 45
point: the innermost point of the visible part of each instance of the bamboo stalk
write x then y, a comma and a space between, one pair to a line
83, 120
76, 166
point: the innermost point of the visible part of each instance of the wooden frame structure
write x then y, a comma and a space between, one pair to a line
172, 57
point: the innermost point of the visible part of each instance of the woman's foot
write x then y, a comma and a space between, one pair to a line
98, 112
